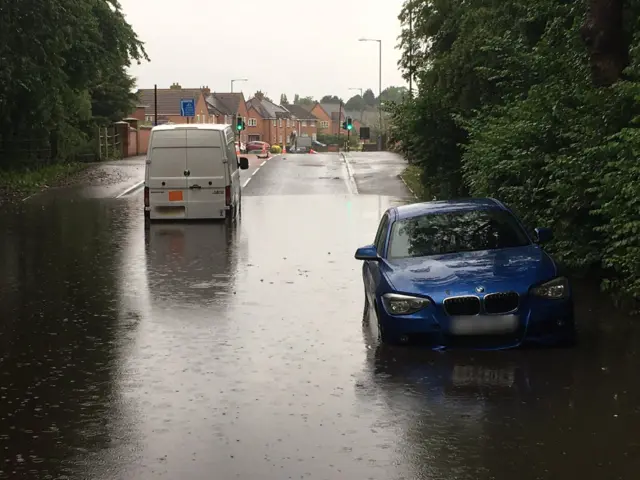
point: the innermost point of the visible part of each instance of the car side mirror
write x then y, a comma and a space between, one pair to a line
367, 253
244, 163
543, 235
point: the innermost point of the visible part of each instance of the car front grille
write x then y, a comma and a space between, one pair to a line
462, 306
502, 302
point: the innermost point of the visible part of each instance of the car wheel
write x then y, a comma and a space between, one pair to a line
365, 311
384, 337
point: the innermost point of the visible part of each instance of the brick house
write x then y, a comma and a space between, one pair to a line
268, 122
305, 123
169, 105
324, 123
224, 107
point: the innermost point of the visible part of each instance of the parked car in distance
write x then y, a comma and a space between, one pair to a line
192, 172
464, 273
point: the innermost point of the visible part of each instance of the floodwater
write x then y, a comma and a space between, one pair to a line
200, 351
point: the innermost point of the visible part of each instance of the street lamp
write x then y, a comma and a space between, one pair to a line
238, 80
379, 84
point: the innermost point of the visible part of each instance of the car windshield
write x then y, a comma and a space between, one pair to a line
454, 232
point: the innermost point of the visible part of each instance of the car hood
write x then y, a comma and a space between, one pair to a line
459, 273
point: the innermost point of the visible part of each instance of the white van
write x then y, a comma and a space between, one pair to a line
192, 173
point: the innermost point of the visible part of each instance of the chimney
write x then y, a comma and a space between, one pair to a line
206, 90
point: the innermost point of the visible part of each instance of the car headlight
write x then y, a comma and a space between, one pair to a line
557, 288
397, 304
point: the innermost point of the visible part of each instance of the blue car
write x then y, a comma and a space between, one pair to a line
464, 273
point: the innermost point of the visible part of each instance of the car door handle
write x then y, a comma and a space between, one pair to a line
195, 186
187, 173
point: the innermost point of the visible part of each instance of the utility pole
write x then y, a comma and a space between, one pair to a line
155, 105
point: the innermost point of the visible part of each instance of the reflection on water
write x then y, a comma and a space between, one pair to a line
190, 262
58, 329
190, 349
525, 414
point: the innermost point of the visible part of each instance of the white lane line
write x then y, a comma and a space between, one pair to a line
131, 189
349, 179
262, 163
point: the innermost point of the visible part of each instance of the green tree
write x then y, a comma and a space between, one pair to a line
303, 100
534, 104
57, 99
355, 103
283, 99
330, 99
369, 97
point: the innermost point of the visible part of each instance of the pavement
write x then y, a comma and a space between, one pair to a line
201, 351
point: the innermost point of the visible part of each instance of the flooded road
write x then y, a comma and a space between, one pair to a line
197, 351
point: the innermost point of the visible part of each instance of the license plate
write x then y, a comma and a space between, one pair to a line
170, 211
477, 376
484, 324
175, 196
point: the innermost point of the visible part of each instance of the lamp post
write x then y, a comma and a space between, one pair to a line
379, 84
238, 80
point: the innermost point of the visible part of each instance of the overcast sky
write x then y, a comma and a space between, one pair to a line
281, 46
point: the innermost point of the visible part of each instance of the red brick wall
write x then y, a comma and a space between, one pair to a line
143, 140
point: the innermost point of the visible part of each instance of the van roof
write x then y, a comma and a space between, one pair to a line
199, 126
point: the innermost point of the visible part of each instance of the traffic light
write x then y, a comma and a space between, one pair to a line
239, 123
344, 125
349, 123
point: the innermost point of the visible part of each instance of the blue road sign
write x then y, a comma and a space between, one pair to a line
188, 107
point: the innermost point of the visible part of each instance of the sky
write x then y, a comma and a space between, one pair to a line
280, 46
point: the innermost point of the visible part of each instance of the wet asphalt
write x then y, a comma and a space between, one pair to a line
199, 351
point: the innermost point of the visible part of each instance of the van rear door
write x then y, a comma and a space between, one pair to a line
207, 180
167, 181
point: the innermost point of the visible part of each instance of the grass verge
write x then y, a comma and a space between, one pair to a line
19, 183
412, 176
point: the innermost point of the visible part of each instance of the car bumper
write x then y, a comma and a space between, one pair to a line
546, 322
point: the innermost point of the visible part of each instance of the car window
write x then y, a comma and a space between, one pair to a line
381, 236
454, 232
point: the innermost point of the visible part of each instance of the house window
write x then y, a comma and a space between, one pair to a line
280, 138
252, 122
288, 122
324, 124
212, 119
304, 123
274, 124
280, 123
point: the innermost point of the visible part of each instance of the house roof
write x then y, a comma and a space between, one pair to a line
331, 108
268, 109
225, 103
168, 99
300, 112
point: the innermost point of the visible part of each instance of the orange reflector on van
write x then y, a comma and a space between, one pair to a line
175, 196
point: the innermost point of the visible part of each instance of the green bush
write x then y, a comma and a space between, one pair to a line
276, 149
507, 107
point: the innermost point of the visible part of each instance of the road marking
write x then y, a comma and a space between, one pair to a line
256, 171
131, 189
349, 179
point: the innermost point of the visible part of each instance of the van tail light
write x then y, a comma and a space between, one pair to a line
146, 196
227, 195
